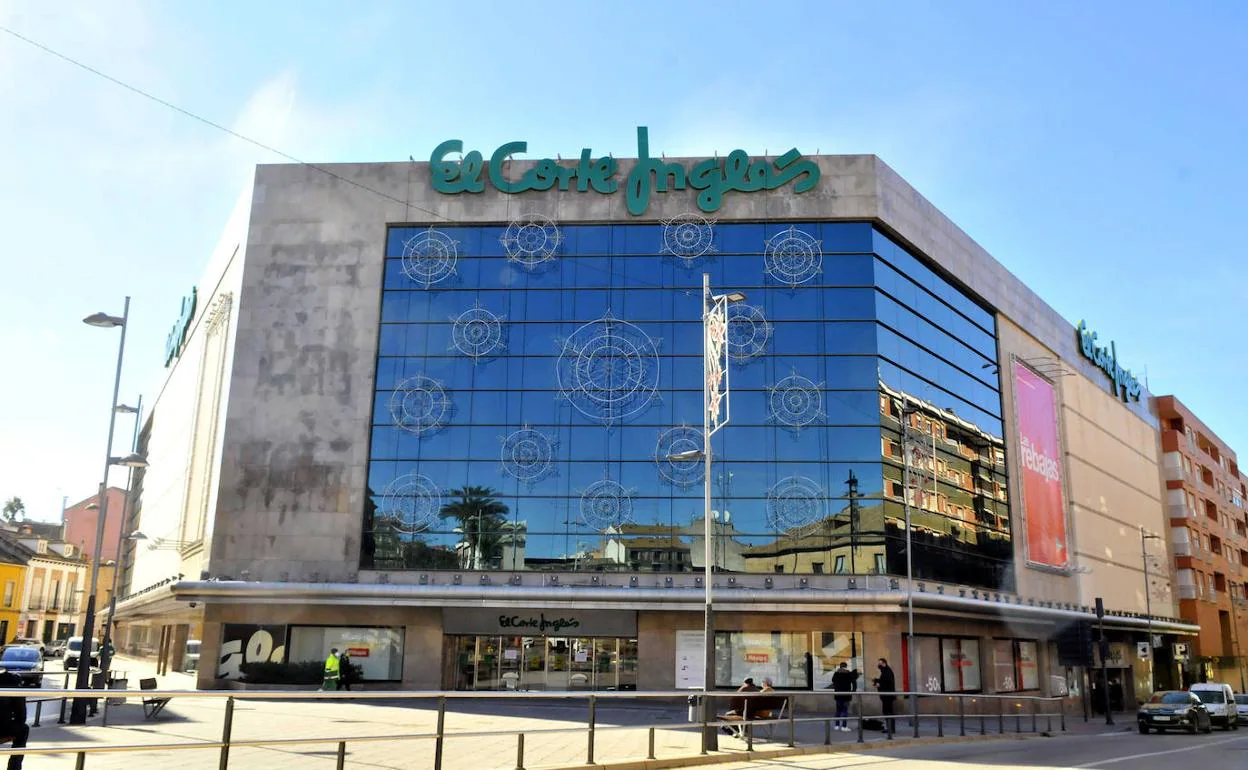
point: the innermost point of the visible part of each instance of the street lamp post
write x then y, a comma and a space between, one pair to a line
78, 714
106, 656
1148, 607
712, 305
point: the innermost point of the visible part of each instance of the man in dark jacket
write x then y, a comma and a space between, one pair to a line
843, 681
13, 718
886, 682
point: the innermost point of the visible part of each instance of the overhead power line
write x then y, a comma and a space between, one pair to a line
211, 123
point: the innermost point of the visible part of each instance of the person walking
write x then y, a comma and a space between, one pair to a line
886, 685
844, 682
333, 671
13, 725
346, 674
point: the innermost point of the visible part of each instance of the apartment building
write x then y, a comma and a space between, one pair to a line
1205, 495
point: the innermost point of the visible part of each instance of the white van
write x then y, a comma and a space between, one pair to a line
1220, 700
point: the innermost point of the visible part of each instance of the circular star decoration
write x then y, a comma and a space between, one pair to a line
793, 257
795, 401
688, 236
794, 502
674, 441
748, 332
606, 504
608, 369
477, 332
411, 503
531, 241
429, 257
528, 455
420, 404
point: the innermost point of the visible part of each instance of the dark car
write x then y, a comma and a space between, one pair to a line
25, 662
1174, 710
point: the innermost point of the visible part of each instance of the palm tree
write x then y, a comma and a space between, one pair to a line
480, 519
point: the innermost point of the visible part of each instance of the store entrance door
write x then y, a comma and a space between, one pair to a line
544, 663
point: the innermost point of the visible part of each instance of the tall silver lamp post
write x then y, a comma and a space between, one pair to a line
106, 655
715, 415
1148, 607
78, 714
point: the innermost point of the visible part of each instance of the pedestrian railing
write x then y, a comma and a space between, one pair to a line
974, 714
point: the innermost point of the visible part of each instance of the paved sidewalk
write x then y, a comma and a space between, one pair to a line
481, 735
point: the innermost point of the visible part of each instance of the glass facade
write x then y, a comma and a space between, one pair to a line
533, 384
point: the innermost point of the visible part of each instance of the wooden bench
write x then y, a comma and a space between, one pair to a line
152, 706
756, 708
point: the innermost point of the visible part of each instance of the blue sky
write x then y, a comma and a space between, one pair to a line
1096, 149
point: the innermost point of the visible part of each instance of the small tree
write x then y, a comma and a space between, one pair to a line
480, 518
14, 509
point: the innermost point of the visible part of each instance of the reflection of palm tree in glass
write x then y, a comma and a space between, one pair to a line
480, 518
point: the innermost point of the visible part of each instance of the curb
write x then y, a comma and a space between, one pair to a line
698, 760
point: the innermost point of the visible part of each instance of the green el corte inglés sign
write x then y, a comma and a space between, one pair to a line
1126, 385
177, 335
713, 177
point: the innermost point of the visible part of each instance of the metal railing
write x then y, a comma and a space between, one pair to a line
990, 715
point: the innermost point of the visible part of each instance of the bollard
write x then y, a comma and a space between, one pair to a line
61, 719
593, 707
827, 732
1035, 710
983, 722
650, 755
888, 726
1061, 705
1049, 720
1018, 719
792, 723
104, 715
81, 762
962, 717
439, 740
749, 737
225, 734
342, 755
38, 711
520, 751
940, 725
1001, 717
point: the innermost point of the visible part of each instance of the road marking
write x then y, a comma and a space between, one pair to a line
1202, 745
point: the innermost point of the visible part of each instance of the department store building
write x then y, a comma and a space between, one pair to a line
427, 412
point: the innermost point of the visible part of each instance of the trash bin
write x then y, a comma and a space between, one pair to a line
695, 712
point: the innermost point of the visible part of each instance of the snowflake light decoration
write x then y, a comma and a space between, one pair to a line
429, 257
477, 332
794, 502
793, 257
420, 404
795, 401
531, 241
674, 441
606, 504
608, 369
689, 236
528, 455
748, 332
411, 503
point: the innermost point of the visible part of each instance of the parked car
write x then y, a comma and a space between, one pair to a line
28, 642
24, 661
55, 649
1174, 710
1219, 698
73, 650
190, 660
1241, 706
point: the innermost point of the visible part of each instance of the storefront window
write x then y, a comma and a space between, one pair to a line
377, 651
1015, 665
960, 659
1029, 665
783, 657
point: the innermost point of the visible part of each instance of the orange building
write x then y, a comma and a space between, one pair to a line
1205, 496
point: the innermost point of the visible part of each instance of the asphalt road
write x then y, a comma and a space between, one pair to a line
1117, 750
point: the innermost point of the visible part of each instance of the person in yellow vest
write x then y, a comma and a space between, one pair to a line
333, 671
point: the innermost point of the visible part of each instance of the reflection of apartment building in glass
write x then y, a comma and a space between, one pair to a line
1208, 536
544, 349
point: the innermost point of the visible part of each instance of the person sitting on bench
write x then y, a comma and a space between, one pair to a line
13, 727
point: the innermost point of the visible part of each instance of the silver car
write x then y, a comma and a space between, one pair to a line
1241, 709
